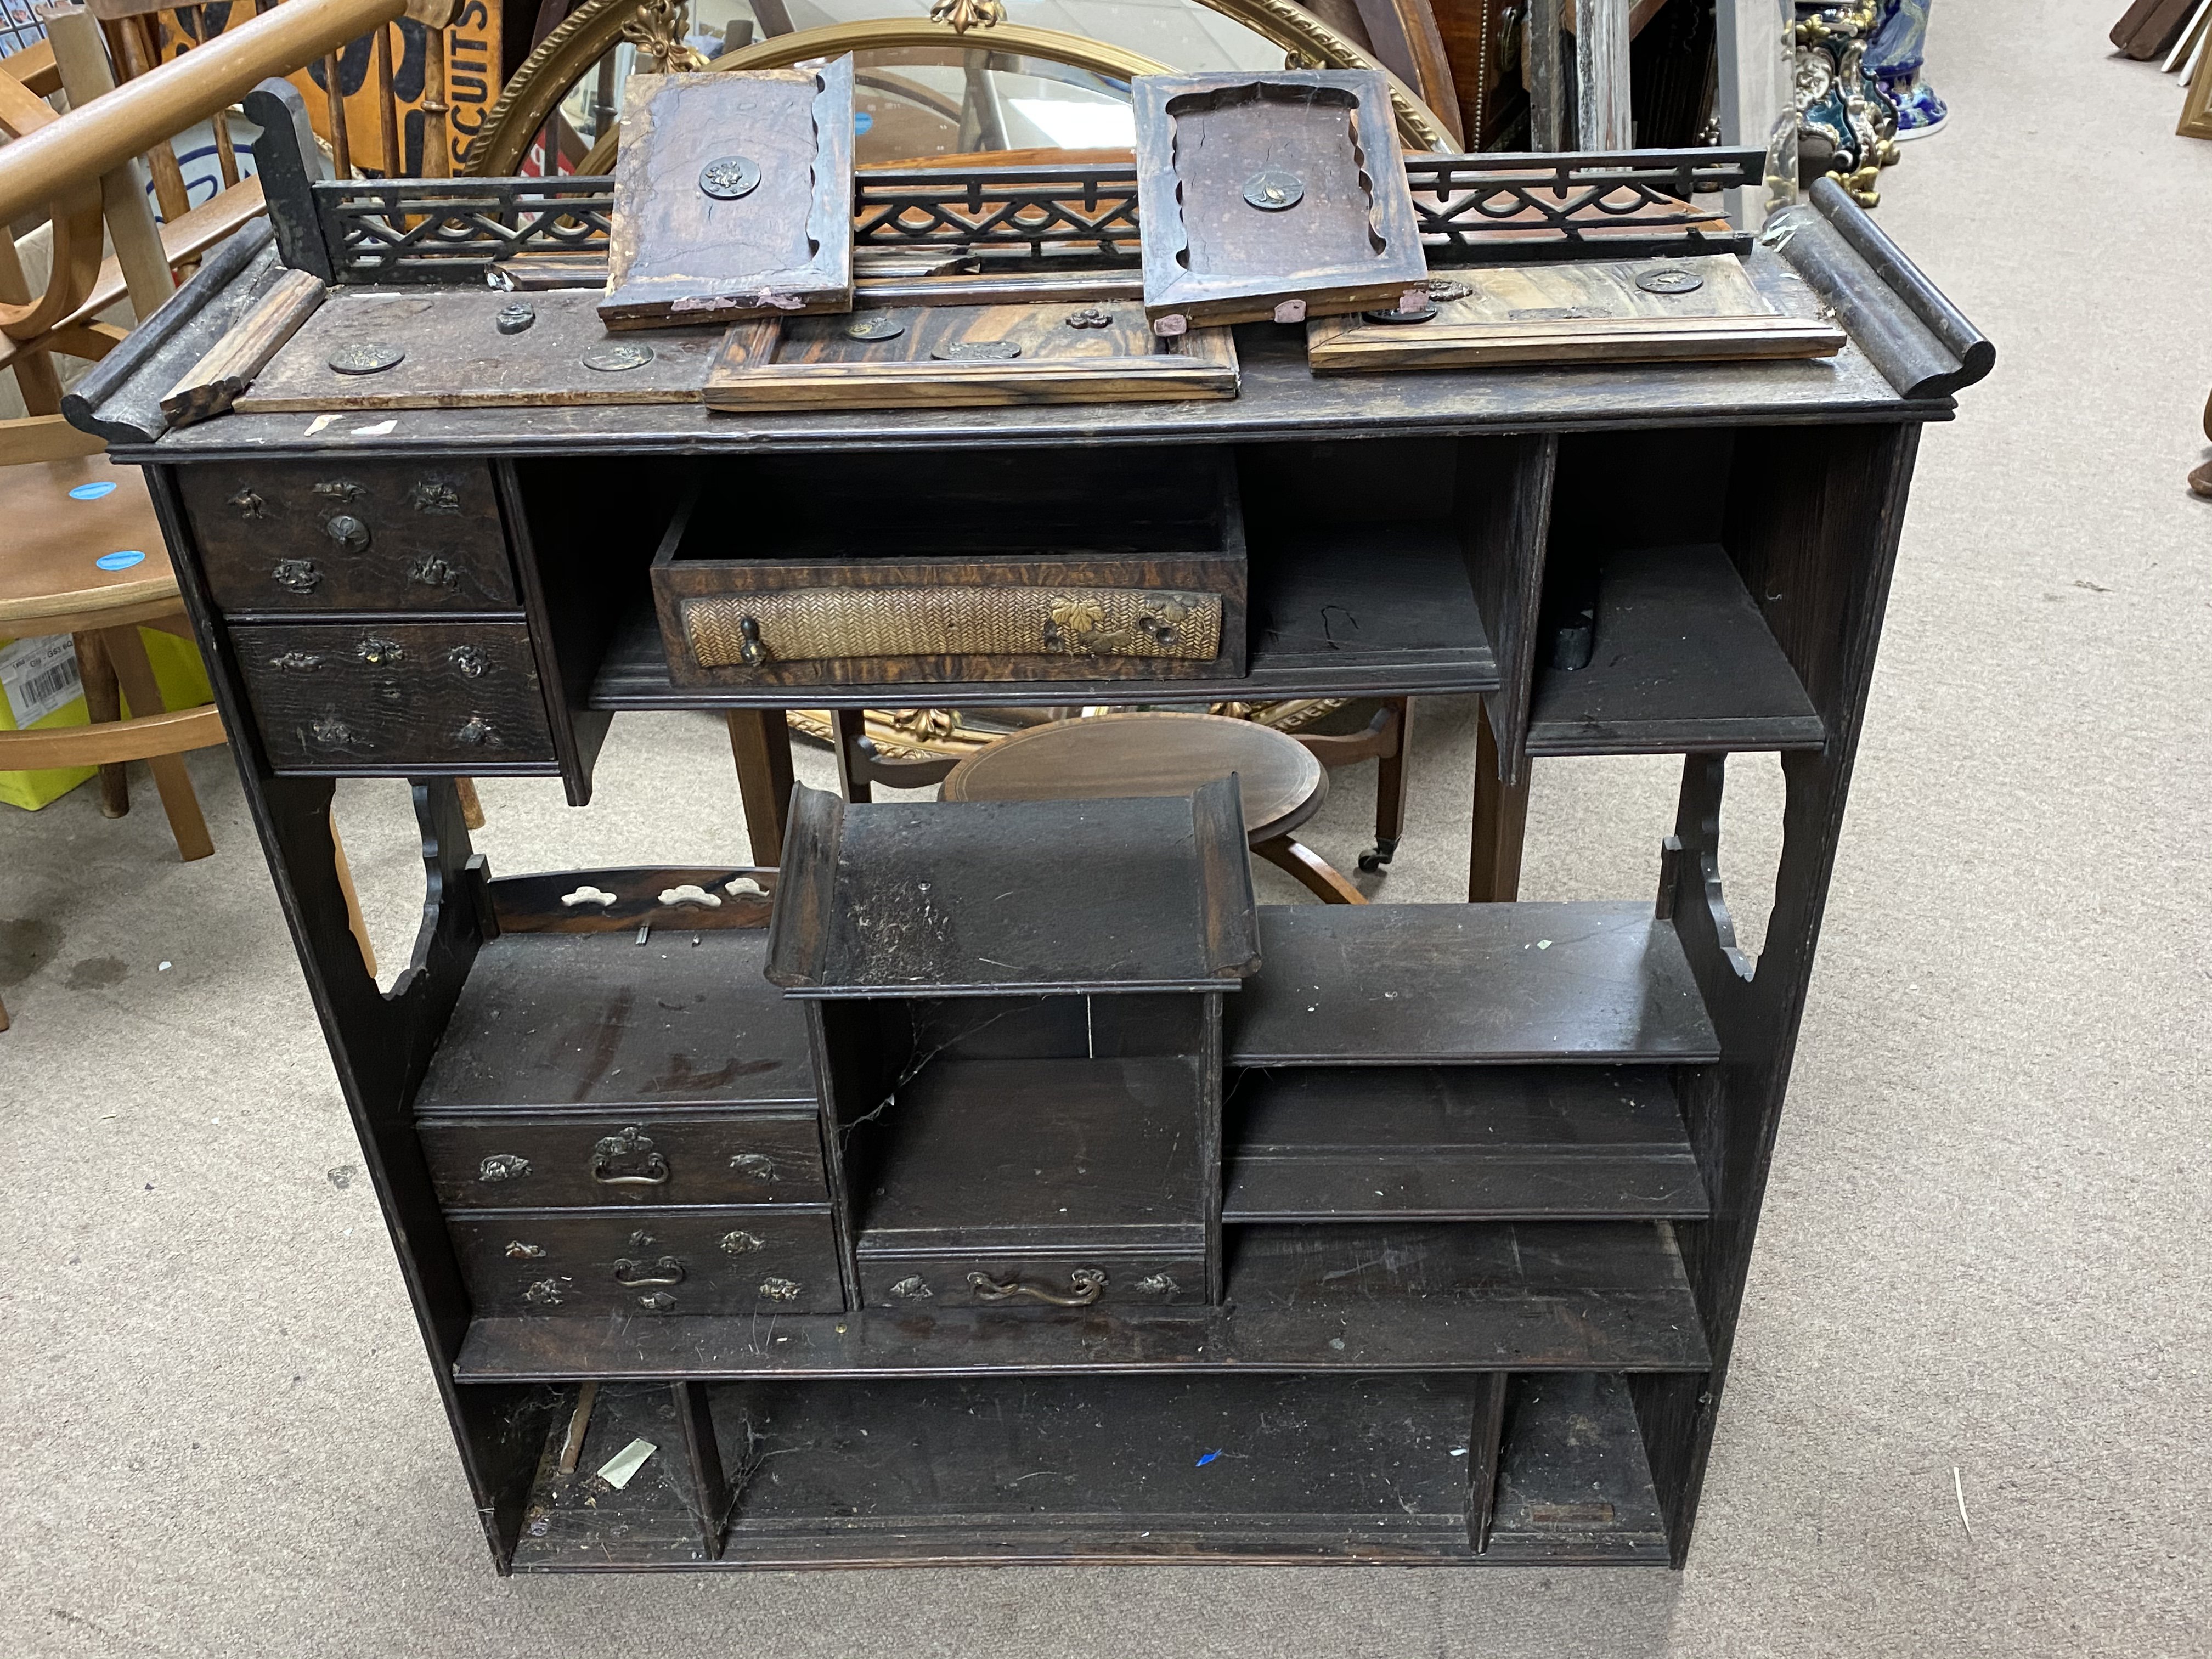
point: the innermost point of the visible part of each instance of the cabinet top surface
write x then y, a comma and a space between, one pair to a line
1280, 398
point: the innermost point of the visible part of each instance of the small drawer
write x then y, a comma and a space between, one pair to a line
1059, 565
1033, 1279
730, 1260
393, 695
737, 1158
350, 536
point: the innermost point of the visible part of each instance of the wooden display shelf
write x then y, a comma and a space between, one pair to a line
1382, 1470
1473, 1143
1683, 664
1483, 984
1336, 611
1575, 1296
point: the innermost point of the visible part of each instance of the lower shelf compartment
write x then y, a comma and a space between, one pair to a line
1464, 1296
1292, 1469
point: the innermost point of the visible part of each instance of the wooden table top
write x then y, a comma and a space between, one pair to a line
1151, 752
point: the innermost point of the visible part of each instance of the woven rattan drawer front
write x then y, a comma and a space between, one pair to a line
815, 624
1028, 565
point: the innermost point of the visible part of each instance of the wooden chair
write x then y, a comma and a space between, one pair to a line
1160, 753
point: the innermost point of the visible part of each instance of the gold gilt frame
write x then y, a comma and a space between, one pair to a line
596, 27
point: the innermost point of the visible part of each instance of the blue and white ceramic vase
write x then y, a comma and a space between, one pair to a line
1894, 58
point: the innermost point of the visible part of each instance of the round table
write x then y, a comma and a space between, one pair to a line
1104, 756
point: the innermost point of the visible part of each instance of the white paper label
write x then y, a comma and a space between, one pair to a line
39, 676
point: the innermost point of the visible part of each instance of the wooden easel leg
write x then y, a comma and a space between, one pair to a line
135, 676
1501, 818
354, 920
760, 744
102, 702
851, 726
1309, 870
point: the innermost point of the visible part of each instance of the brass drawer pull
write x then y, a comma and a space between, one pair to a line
751, 651
347, 531
1086, 1285
667, 1271
609, 1169
298, 575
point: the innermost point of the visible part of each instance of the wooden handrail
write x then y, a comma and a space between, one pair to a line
43, 167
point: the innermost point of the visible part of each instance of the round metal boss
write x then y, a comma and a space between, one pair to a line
513, 318
1271, 189
1420, 316
875, 328
1670, 279
614, 359
366, 357
728, 177
976, 351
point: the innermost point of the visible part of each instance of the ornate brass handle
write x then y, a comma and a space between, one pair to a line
667, 1271
652, 1171
346, 530
1086, 1285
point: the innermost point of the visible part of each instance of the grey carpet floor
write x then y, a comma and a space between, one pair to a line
1979, 1296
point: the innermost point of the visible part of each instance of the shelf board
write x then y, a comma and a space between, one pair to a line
1684, 663
1332, 1143
1336, 611
1040, 1153
991, 898
598, 1020
1575, 1484
1482, 1296
997, 1471
1486, 984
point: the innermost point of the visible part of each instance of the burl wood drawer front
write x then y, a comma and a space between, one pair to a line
350, 536
738, 1158
1035, 1279
387, 696
729, 1260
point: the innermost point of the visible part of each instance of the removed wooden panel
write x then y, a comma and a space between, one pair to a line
733, 196
210, 386
1271, 195
1473, 1143
1683, 662
1464, 1296
473, 348
947, 356
1622, 311
1425, 984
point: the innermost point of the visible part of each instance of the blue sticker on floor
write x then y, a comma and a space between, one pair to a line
91, 492
119, 561
1208, 1458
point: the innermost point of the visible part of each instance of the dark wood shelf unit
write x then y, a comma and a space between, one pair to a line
1683, 663
1393, 1470
1477, 1296
1488, 984
626, 1160
1532, 1143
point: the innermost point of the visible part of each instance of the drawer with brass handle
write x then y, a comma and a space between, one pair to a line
1051, 568
395, 696
1032, 1278
350, 536
513, 1161
730, 1259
